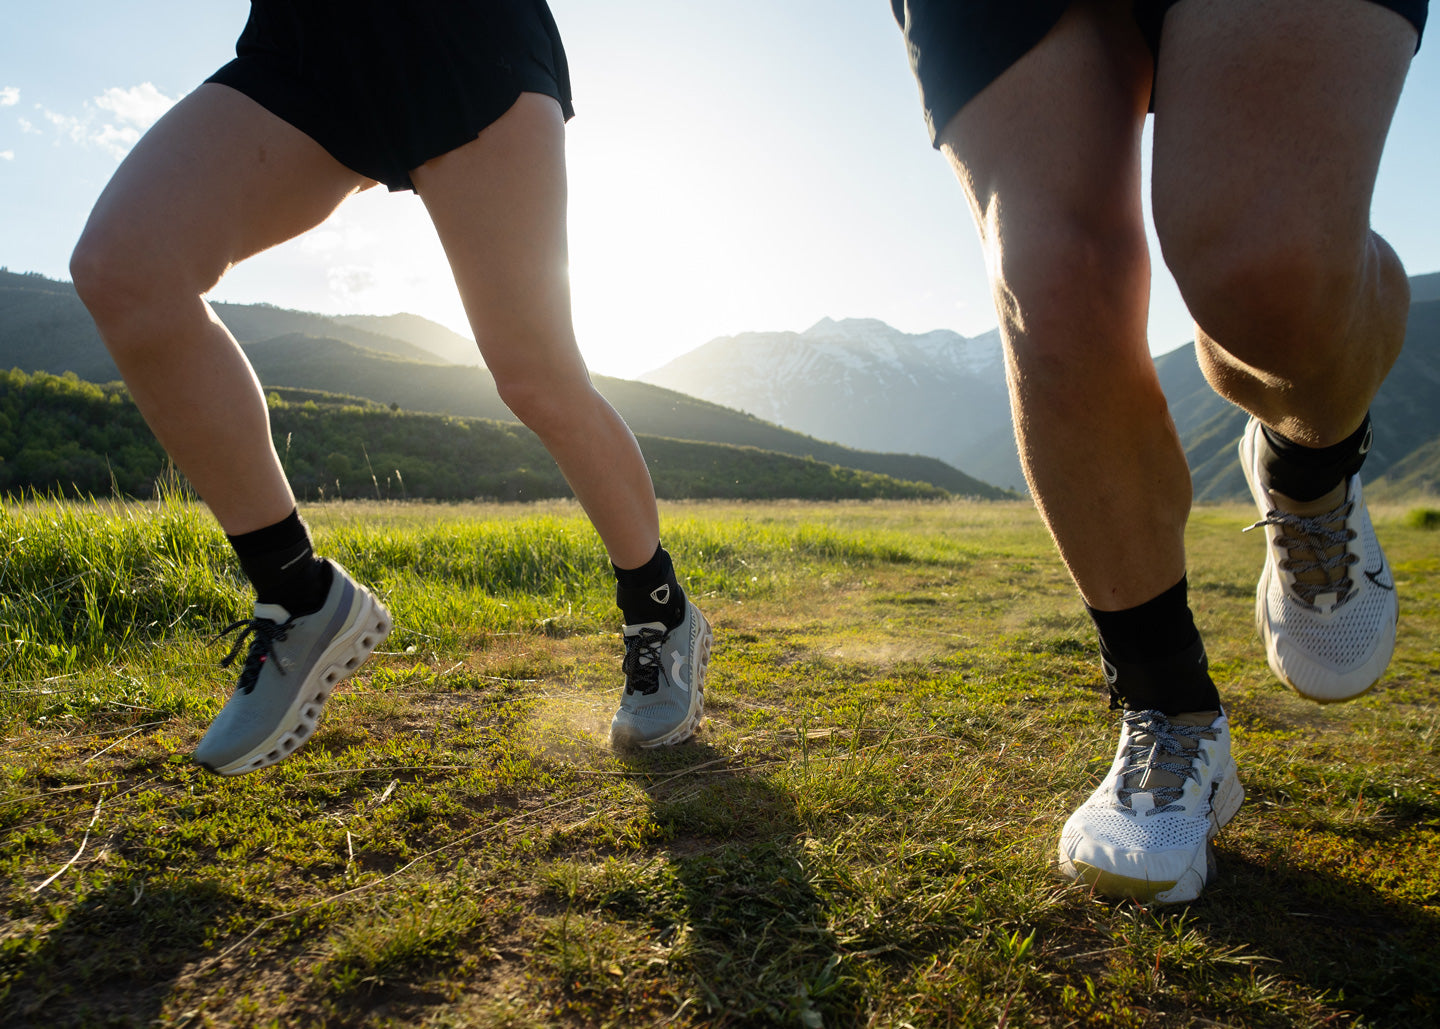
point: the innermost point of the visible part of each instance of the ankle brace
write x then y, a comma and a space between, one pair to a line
650, 593
1153, 656
280, 563
1308, 473
1174, 685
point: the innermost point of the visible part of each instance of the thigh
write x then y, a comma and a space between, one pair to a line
499, 207
1270, 117
217, 179
1053, 143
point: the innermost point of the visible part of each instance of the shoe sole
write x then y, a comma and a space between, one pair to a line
1225, 801
1302, 680
347, 652
696, 713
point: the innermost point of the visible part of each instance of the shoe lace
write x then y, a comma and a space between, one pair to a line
1153, 739
1317, 551
263, 634
642, 660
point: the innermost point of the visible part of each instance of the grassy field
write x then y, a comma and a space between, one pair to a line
903, 707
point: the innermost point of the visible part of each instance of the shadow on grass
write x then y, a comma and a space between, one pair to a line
1374, 955
758, 947
114, 958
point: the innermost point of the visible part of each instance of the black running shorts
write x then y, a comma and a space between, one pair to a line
958, 47
384, 87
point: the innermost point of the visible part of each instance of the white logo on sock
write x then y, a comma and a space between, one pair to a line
661, 594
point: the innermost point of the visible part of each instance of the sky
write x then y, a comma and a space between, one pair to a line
753, 165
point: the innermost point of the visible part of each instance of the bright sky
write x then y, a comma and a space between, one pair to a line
747, 165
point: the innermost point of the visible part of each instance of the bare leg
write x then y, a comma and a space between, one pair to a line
216, 180
1049, 155
499, 205
1270, 120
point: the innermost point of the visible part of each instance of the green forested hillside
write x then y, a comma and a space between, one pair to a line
332, 365
44, 327
73, 436
60, 434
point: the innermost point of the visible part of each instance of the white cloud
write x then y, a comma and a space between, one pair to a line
28, 127
113, 121
140, 106
7, 155
69, 126
9, 96
351, 280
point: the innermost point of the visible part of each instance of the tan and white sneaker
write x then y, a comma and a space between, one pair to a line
1326, 605
1145, 832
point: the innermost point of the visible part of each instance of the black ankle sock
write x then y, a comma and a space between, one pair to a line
650, 593
1308, 473
1153, 656
281, 564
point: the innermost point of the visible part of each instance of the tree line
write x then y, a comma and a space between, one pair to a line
61, 435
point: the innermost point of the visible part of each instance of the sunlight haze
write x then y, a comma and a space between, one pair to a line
745, 166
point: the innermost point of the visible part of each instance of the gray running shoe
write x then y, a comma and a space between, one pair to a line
292, 666
1145, 832
1326, 605
664, 682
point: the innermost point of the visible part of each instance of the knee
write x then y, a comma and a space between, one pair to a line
1276, 296
113, 283
130, 288
107, 276
547, 405
1072, 296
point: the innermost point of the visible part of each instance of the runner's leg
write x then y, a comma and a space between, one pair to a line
216, 180
499, 206
1270, 121
1049, 155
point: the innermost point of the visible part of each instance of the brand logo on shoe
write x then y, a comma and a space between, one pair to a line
1375, 577
661, 594
677, 672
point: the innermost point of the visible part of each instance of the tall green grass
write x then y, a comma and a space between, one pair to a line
83, 585
903, 707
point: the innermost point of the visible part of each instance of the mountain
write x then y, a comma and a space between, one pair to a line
865, 384
44, 327
337, 367
944, 395
1424, 287
1405, 414
438, 340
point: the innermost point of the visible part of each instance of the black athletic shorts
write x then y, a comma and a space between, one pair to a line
384, 87
958, 47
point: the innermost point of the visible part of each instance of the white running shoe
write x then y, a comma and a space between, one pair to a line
1326, 605
1145, 832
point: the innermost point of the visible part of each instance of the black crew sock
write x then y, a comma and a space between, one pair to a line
1153, 656
1308, 473
651, 592
281, 564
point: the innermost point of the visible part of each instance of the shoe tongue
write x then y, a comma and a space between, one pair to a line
274, 612
634, 630
1152, 779
1313, 508
1331, 502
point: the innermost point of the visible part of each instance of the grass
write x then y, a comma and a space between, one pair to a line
903, 708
